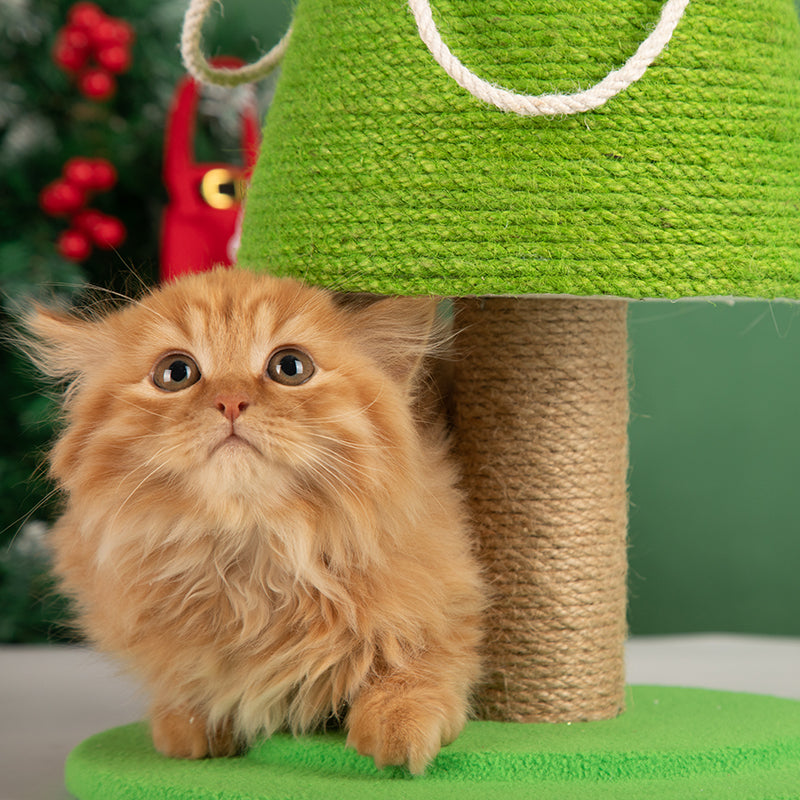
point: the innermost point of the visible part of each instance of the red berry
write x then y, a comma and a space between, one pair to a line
68, 56
108, 232
61, 198
104, 33
97, 84
75, 37
115, 58
111, 31
104, 176
86, 15
86, 220
125, 33
79, 172
74, 245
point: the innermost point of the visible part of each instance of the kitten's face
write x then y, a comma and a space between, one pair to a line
229, 386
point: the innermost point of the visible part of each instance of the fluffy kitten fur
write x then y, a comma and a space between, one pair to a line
317, 563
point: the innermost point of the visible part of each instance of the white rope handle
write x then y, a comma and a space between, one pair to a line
525, 105
197, 64
547, 104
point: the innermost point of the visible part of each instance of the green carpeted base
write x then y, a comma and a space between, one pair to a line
670, 743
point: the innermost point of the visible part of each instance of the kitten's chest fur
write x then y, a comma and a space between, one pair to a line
233, 626
230, 590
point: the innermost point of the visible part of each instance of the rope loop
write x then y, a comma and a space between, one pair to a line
525, 105
549, 104
201, 70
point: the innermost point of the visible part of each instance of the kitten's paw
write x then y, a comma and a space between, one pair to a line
178, 733
400, 731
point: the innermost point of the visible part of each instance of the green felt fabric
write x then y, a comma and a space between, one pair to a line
670, 743
377, 172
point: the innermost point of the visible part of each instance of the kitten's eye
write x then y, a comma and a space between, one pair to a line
290, 366
175, 372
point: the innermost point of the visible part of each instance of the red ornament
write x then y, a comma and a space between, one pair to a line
114, 57
97, 84
112, 31
97, 46
86, 15
67, 197
79, 172
104, 176
125, 33
76, 38
86, 219
61, 198
93, 47
68, 58
68, 52
74, 245
107, 232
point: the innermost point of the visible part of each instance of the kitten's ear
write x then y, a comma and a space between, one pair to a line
399, 332
59, 344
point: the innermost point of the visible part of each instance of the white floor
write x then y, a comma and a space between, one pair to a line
51, 698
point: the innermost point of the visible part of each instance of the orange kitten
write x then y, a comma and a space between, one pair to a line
256, 524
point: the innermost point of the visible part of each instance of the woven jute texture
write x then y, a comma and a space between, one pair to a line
379, 173
541, 407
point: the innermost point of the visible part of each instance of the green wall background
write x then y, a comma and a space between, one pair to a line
715, 467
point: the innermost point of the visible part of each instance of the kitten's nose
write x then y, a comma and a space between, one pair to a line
231, 405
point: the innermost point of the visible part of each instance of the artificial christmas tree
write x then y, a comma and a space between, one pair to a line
51, 132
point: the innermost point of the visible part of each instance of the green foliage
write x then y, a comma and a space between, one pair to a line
31, 608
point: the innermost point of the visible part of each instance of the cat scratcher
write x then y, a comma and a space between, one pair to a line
395, 161
382, 171
671, 743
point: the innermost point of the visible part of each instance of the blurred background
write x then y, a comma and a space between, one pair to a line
65, 101
715, 434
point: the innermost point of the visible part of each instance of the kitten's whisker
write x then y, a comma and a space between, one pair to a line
321, 452
162, 452
97, 303
337, 479
144, 437
20, 522
326, 452
347, 415
141, 408
346, 444
339, 468
40, 470
145, 464
324, 475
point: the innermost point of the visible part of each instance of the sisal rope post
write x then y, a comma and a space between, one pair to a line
541, 412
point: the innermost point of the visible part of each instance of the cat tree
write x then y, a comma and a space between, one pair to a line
392, 163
